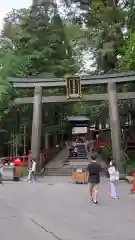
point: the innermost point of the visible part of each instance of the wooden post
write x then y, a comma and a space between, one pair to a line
114, 123
112, 135
36, 124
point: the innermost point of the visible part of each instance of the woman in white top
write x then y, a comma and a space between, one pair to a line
114, 176
32, 172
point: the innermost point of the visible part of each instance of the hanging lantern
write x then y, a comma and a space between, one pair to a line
73, 87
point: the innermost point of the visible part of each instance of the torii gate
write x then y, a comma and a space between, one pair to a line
73, 85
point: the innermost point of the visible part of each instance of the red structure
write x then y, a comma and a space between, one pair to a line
25, 159
133, 186
17, 162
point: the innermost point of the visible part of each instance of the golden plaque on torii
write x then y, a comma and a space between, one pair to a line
73, 87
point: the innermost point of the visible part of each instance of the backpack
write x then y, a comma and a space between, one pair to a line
117, 175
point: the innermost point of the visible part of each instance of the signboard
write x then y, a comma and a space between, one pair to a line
73, 87
79, 170
79, 130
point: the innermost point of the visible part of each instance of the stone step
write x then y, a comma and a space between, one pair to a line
65, 171
81, 154
78, 159
84, 157
66, 174
51, 172
58, 174
78, 156
79, 162
81, 151
59, 170
56, 168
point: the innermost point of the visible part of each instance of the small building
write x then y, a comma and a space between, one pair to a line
78, 125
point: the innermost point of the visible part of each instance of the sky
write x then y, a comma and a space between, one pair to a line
7, 5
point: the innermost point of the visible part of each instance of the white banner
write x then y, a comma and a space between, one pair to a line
79, 130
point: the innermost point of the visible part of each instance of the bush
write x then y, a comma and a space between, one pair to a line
130, 167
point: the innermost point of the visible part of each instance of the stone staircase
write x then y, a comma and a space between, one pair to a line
57, 166
81, 155
62, 164
62, 171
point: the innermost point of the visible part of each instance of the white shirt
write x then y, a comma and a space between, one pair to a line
112, 172
34, 166
75, 150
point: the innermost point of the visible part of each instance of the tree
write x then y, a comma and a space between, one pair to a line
34, 43
7, 93
105, 21
127, 60
39, 42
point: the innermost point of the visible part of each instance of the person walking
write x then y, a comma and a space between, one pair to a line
91, 144
29, 171
94, 170
113, 177
69, 148
1, 172
33, 170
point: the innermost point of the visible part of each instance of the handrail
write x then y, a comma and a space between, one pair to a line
25, 157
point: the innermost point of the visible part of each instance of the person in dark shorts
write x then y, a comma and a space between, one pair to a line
94, 170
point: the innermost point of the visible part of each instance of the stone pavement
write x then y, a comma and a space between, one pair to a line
56, 209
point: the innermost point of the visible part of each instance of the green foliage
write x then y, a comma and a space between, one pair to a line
93, 110
5, 97
33, 42
130, 167
39, 42
127, 60
105, 21
7, 93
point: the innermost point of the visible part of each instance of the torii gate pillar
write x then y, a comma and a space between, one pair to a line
36, 124
114, 123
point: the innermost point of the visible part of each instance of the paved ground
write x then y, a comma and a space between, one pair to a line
54, 208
